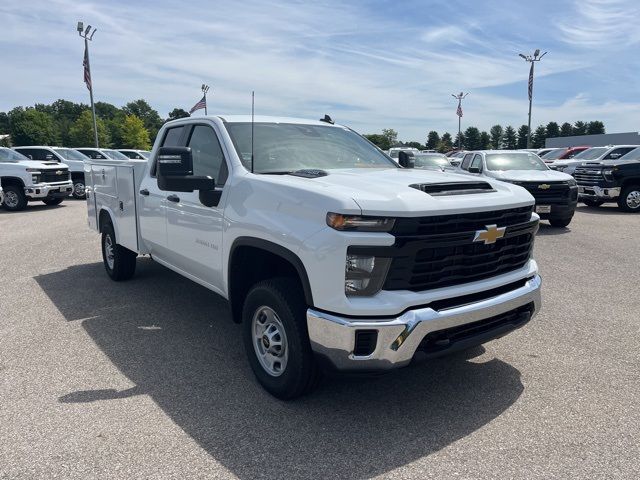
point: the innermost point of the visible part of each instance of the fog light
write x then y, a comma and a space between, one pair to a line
365, 274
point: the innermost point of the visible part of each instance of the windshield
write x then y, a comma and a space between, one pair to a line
591, 153
285, 147
554, 154
431, 161
514, 161
8, 155
145, 154
114, 155
632, 155
71, 154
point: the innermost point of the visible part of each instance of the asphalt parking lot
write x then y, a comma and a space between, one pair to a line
148, 378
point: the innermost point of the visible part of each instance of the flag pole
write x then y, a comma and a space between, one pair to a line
85, 34
205, 89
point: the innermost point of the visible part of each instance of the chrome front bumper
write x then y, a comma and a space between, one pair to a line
43, 190
333, 336
594, 192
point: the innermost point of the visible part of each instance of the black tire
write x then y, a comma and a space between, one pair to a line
284, 297
52, 201
14, 198
592, 203
123, 264
78, 188
560, 222
629, 199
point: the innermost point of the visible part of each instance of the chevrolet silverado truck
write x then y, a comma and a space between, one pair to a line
73, 159
611, 181
556, 193
25, 180
330, 254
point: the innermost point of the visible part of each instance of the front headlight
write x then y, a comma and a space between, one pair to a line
607, 173
358, 223
572, 182
35, 174
364, 274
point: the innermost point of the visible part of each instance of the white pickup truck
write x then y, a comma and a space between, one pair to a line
330, 254
25, 180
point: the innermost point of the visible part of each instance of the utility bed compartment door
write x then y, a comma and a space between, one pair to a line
126, 208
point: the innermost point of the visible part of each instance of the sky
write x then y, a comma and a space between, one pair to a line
369, 64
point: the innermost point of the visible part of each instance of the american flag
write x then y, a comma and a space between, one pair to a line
198, 106
459, 110
531, 82
87, 72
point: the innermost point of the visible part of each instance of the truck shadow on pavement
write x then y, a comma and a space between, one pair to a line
175, 341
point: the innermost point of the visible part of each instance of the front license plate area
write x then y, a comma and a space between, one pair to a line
543, 208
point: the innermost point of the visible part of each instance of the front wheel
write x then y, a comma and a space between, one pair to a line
79, 189
119, 262
52, 201
629, 200
560, 222
592, 203
14, 198
276, 339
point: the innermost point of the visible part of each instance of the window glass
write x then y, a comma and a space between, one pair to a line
208, 159
172, 137
515, 161
617, 153
93, 154
477, 162
28, 152
554, 154
591, 153
114, 154
633, 155
70, 154
466, 161
8, 155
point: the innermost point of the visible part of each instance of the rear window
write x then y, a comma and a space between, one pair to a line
591, 153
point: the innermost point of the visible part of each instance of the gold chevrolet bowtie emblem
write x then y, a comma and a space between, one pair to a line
490, 235
544, 186
59, 172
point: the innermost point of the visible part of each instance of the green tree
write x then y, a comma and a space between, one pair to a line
566, 130
391, 135
596, 127
433, 139
114, 126
32, 127
64, 113
445, 143
107, 111
496, 133
4, 123
459, 141
134, 135
177, 113
509, 138
378, 140
417, 145
149, 116
538, 137
472, 138
81, 132
522, 136
579, 128
485, 140
553, 130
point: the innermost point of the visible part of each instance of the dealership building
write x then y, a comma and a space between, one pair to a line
628, 138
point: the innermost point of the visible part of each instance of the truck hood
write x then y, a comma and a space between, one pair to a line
389, 191
40, 165
531, 176
609, 163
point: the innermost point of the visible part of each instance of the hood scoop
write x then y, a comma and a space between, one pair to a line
453, 188
309, 173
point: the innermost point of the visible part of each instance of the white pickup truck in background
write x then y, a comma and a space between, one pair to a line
329, 253
25, 180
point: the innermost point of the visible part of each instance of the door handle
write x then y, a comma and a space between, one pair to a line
144, 192
173, 198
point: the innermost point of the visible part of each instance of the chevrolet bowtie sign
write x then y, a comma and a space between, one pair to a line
490, 235
544, 186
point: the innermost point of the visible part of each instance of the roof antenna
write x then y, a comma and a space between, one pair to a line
327, 119
252, 122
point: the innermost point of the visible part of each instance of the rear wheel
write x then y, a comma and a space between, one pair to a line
78, 188
119, 262
276, 339
52, 201
592, 203
629, 200
14, 198
560, 222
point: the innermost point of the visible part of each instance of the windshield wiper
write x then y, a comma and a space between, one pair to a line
277, 172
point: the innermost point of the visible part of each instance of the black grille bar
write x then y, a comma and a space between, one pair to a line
51, 176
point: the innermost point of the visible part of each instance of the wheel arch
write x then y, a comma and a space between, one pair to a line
254, 259
6, 181
106, 215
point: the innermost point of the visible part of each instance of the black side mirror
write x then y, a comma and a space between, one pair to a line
175, 171
474, 169
406, 160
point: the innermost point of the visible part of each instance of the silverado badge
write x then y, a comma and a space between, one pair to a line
490, 235
544, 186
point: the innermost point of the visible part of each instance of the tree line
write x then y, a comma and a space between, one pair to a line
69, 124
497, 138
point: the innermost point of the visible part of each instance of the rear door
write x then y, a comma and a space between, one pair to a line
194, 231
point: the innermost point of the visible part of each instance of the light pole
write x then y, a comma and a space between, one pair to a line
459, 97
88, 36
531, 59
205, 89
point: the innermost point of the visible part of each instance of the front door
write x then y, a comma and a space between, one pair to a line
194, 231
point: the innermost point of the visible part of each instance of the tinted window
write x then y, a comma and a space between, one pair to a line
617, 153
28, 152
93, 154
70, 154
208, 159
633, 155
466, 161
477, 162
129, 154
172, 137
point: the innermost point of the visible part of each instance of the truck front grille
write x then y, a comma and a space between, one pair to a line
435, 252
52, 176
548, 192
588, 176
